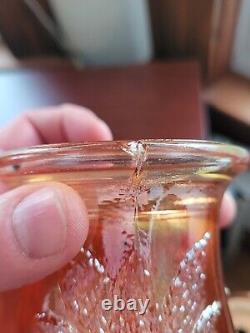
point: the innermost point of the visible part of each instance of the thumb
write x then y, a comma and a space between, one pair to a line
41, 228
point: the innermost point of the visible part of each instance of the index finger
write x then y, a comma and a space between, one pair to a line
65, 123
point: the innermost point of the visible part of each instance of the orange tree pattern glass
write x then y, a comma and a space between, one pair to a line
153, 238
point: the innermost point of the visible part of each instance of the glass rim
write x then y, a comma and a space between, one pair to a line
209, 155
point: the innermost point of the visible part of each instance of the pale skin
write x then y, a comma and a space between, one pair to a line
30, 250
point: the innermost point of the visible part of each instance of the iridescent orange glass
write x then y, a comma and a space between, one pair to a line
153, 210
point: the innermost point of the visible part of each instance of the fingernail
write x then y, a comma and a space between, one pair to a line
107, 134
39, 224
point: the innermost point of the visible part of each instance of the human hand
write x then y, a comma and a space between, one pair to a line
31, 247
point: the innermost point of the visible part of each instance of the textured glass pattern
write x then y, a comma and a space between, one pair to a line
152, 241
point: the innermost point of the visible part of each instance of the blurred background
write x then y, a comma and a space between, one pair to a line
156, 68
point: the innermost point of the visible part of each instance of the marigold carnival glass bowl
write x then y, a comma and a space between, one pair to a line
151, 259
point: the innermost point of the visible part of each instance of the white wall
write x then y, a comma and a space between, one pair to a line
106, 32
240, 61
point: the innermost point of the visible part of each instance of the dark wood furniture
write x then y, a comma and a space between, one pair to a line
200, 29
24, 34
229, 102
158, 100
